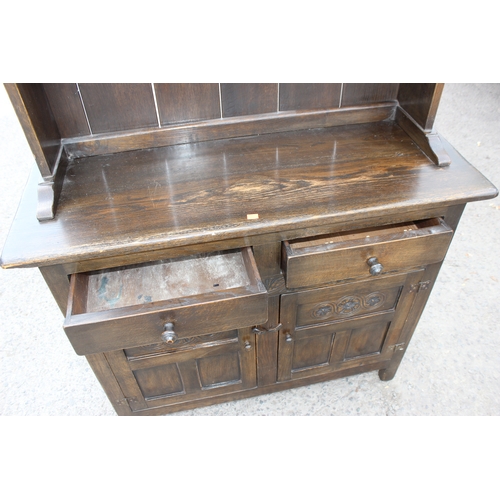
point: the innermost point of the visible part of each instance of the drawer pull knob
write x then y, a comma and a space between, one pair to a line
248, 346
288, 338
375, 267
168, 335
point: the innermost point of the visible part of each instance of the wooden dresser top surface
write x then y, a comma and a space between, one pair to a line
191, 194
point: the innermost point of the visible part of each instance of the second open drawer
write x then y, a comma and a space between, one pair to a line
360, 254
145, 304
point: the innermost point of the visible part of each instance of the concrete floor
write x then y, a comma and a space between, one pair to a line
452, 366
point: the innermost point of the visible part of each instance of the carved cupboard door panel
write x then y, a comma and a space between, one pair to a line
343, 326
190, 369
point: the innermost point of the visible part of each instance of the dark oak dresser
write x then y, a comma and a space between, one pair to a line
210, 242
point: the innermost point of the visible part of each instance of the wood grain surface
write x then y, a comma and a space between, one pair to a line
421, 101
248, 98
309, 95
38, 123
67, 106
119, 106
200, 193
183, 102
363, 93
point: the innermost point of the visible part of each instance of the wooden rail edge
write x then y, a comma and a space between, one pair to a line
50, 188
226, 128
429, 142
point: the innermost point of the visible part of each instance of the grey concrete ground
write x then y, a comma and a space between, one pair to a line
452, 366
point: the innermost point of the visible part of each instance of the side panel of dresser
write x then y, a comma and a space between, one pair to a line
428, 279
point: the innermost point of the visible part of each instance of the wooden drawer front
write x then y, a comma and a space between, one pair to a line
195, 370
341, 302
129, 307
183, 344
341, 256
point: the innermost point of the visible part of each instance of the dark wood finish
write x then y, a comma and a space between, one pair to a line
421, 294
131, 198
349, 338
324, 272
309, 95
354, 94
38, 123
111, 107
248, 393
267, 345
258, 239
248, 98
183, 102
268, 258
320, 350
207, 340
199, 372
429, 143
421, 101
58, 282
104, 373
336, 303
274, 283
241, 126
49, 190
126, 380
141, 319
66, 104
341, 256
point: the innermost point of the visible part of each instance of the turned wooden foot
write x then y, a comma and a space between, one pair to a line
387, 374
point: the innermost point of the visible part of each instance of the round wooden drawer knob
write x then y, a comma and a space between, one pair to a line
375, 267
168, 335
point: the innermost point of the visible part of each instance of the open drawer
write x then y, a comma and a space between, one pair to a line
363, 253
161, 301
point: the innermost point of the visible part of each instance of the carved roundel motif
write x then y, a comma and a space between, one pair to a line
323, 310
348, 305
374, 299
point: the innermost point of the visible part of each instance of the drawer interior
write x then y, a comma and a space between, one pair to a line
164, 280
161, 281
146, 304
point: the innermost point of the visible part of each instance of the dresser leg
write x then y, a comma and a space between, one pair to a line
388, 373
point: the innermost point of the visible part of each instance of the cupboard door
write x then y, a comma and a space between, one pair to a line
344, 326
198, 368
